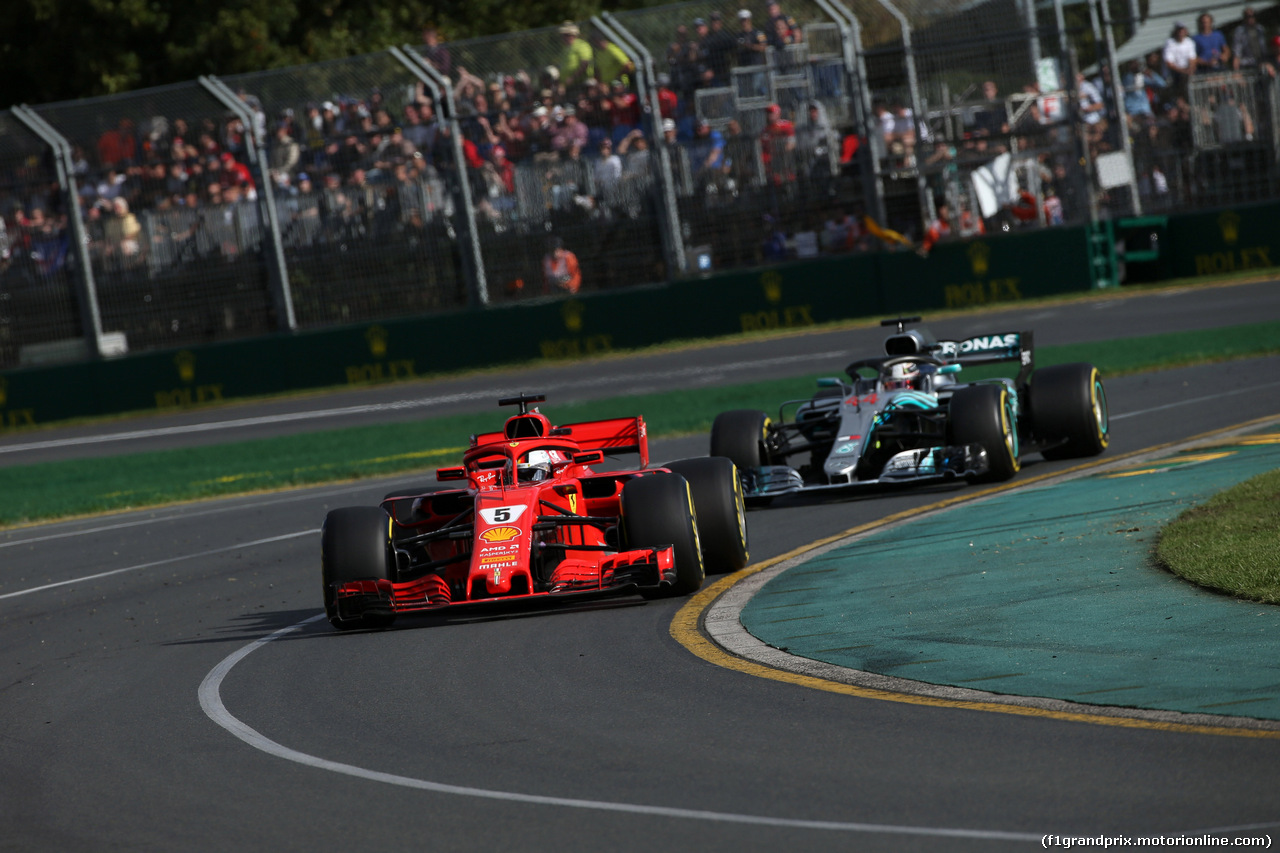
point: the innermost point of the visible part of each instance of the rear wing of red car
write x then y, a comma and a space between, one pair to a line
612, 436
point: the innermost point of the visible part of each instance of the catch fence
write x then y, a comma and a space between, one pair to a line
653, 144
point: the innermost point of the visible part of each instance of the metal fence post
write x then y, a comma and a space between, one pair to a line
647, 84
913, 83
277, 269
1122, 116
442, 91
86, 289
860, 94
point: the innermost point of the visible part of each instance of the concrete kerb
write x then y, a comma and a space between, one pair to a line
715, 614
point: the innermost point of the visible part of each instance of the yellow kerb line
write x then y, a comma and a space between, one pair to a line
685, 625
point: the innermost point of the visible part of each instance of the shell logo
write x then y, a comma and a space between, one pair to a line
500, 534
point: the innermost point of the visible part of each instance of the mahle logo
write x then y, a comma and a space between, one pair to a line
377, 338
572, 312
979, 258
186, 364
772, 284
1229, 222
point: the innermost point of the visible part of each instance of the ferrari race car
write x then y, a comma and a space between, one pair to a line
905, 418
532, 519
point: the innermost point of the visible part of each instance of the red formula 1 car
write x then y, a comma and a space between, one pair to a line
534, 520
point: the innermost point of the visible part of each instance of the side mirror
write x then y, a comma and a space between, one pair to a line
588, 457
950, 368
829, 382
453, 473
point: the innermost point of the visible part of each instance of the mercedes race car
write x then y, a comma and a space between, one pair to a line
906, 417
532, 518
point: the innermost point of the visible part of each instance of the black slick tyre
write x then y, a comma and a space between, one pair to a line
722, 516
739, 435
355, 545
984, 414
1068, 405
657, 511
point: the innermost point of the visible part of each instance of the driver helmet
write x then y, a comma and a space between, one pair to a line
903, 375
535, 467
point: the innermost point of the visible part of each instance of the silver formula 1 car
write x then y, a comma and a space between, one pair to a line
906, 417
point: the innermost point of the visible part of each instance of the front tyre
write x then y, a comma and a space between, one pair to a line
739, 435
355, 545
1068, 405
984, 415
657, 511
722, 514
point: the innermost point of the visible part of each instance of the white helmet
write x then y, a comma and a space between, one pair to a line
535, 467
902, 375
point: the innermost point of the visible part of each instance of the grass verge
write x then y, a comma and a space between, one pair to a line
60, 489
1228, 543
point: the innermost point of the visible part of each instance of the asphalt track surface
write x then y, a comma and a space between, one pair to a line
145, 708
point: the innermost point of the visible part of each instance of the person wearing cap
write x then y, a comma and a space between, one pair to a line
752, 44
560, 270
706, 155
777, 146
577, 57
1249, 42
1212, 52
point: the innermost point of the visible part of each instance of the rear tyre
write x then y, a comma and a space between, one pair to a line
1068, 404
722, 515
657, 511
355, 545
739, 436
984, 414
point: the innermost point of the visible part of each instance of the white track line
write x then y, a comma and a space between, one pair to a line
211, 703
141, 566
713, 373
1252, 389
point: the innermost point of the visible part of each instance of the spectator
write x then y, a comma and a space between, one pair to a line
434, 51
993, 118
842, 233
751, 43
1093, 111
122, 231
717, 49
285, 155
560, 271
1180, 58
634, 147
576, 57
816, 143
611, 63
777, 146
1156, 78
118, 147
1212, 52
794, 34
568, 130
706, 156
1249, 42
1272, 64
608, 170
1136, 103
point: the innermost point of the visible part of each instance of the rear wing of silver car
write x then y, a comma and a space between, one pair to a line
991, 349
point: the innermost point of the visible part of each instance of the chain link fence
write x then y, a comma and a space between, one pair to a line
762, 131
365, 188
37, 287
652, 144
173, 228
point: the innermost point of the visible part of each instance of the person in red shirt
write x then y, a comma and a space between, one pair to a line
777, 143
560, 269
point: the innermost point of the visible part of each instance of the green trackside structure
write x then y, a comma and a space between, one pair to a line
992, 269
